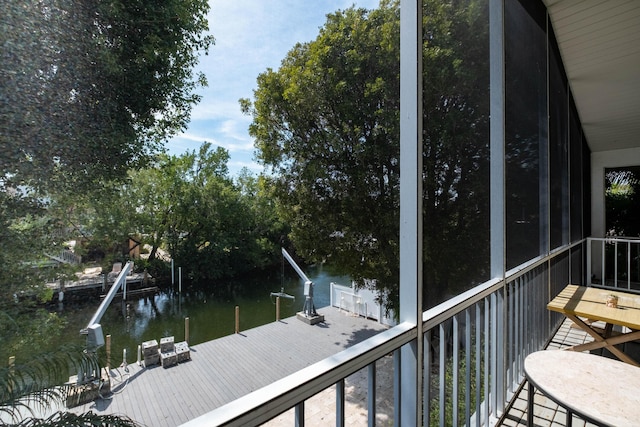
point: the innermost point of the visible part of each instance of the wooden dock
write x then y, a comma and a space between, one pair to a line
93, 281
224, 369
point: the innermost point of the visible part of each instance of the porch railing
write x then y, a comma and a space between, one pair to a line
475, 345
66, 256
614, 262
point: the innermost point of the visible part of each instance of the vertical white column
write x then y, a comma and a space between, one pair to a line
411, 358
497, 194
497, 135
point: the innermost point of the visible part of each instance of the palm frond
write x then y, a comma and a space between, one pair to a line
36, 384
89, 419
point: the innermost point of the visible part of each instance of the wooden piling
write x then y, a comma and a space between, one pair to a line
12, 366
237, 319
186, 330
277, 309
108, 350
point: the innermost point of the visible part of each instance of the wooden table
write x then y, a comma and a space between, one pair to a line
600, 390
584, 305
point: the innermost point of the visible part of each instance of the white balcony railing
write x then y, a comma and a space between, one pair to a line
614, 262
475, 345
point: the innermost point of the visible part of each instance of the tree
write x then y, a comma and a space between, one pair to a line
327, 123
88, 89
217, 228
269, 230
455, 147
210, 220
188, 205
622, 201
91, 89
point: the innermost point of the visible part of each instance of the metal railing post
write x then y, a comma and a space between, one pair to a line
340, 403
371, 394
299, 415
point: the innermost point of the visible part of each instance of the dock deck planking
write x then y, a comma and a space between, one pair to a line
230, 367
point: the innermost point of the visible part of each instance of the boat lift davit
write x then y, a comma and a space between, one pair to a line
308, 314
93, 331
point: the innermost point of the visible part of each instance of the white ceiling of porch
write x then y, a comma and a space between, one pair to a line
600, 46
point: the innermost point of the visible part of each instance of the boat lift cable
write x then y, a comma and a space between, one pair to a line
116, 386
282, 293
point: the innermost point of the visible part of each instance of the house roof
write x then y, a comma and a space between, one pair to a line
600, 46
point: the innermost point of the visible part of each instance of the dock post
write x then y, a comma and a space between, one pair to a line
12, 365
237, 319
277, 309
61, 291
186, 330
108, 350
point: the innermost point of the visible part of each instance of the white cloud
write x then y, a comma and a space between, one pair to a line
218, 108
233, 143
236, 165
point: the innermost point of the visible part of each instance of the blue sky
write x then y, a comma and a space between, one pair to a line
251, 36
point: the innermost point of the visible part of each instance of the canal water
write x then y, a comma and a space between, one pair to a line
136, 320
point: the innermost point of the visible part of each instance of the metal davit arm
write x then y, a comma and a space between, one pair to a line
295, 266
309, 309
121, 280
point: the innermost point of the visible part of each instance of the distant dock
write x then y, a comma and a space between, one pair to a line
93, 281
224, 369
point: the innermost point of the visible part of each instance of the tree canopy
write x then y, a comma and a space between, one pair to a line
210, 224
327, 123
622, 201
90, 89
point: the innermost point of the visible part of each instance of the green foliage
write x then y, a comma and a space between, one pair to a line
22, 338
216, 228
222, 229
23, 231
456, 147
68, 419
476, 383
32, 381
622, 202
31, 384
327, 123
90, 89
